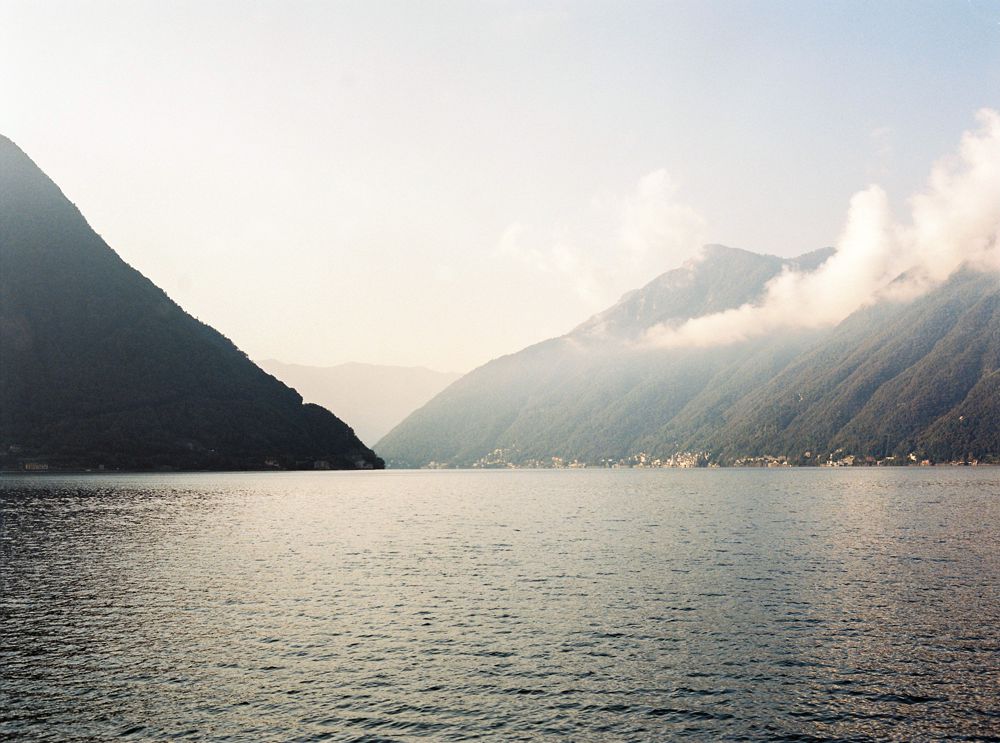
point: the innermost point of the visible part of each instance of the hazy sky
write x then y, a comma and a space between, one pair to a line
429, 183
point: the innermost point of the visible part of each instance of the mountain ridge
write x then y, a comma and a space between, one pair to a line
683, 293
597, 396
100, 367
374, 397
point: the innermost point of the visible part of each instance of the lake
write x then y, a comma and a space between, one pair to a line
844, 604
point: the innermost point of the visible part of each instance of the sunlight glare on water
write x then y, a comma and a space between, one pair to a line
514, 605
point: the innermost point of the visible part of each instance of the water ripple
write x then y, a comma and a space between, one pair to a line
797, 606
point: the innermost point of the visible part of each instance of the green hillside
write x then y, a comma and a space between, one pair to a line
892, 380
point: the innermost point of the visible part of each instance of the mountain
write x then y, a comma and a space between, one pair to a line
373, 397
891, 380
720, 279
99, 367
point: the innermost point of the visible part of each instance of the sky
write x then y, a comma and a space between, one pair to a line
441, 183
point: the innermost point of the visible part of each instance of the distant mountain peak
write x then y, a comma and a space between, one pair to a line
354, 365
718, 249
812, 260
895, 383
374, 397
717, 279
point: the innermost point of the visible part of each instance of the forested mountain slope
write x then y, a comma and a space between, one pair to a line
891, 380
99, 367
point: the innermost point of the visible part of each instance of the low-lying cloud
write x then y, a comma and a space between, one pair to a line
619, 244
954, 222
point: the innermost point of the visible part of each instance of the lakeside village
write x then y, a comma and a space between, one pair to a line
508, 459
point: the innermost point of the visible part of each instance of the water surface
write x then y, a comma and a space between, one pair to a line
525, 605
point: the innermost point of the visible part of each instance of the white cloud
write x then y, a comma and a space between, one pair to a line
653, 222
954, 222
620, 243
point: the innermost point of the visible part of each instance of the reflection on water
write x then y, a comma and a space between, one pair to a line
588, 605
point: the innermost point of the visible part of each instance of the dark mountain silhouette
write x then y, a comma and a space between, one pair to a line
893, 380
99, 367
373, 397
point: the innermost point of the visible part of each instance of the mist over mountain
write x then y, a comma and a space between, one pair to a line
895, 379
884, 348
99, 367
373, 397
718, 279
